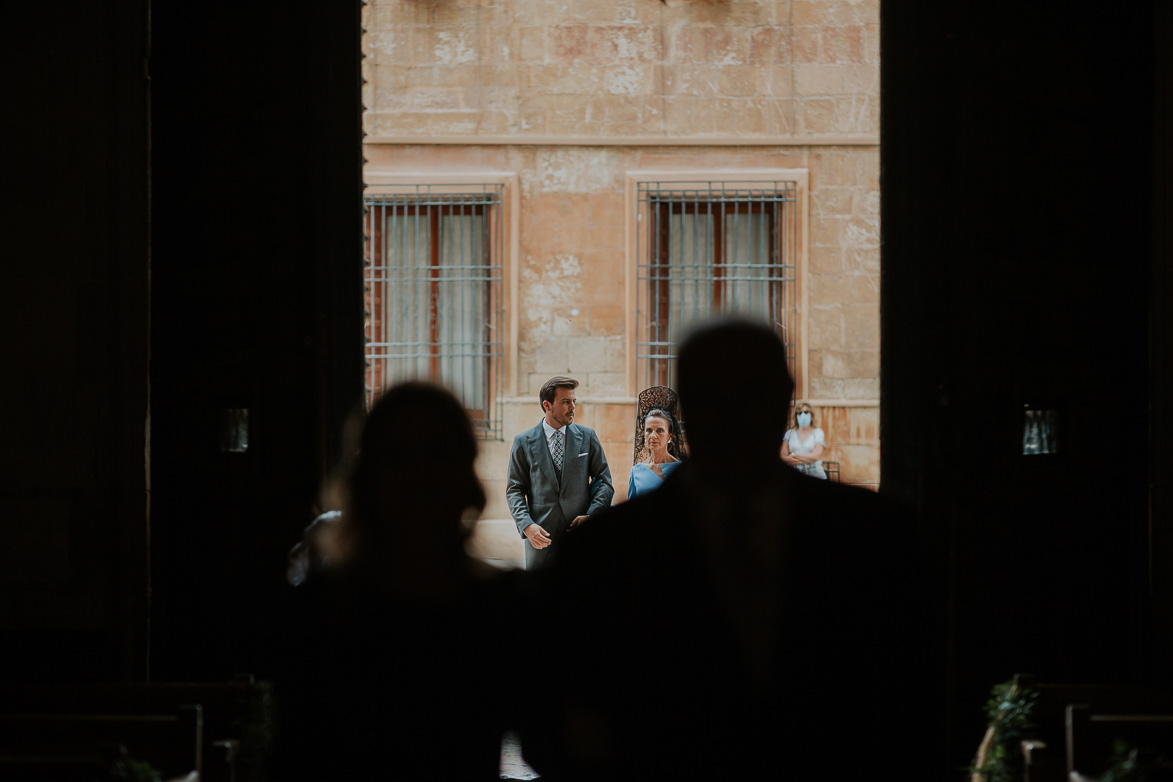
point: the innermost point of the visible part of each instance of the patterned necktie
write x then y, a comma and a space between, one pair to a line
556, 450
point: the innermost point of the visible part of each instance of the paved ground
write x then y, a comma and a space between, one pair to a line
512, 766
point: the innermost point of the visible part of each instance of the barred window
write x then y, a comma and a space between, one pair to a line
433, 294
707, 249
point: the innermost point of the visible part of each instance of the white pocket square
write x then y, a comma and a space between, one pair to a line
585, 453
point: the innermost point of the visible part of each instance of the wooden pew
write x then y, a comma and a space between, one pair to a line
44, 744
1045, 754
227, 709
1096, 736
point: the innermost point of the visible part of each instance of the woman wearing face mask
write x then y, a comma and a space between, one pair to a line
803, 445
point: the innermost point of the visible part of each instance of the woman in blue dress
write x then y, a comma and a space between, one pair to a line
662, 439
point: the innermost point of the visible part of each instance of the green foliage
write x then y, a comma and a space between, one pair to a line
258, 729
1131, 764
1008, 712
131, 770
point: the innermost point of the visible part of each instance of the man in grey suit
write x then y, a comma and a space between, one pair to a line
558, 474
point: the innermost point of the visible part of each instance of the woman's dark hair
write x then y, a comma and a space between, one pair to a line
675, 434
420, 434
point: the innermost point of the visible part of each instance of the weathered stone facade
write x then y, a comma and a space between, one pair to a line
567, 103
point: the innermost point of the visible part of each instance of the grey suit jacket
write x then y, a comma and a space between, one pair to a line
534, 492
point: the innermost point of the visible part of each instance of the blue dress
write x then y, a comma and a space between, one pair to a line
642, 480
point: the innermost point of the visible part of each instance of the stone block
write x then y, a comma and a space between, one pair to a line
826, 326
532, 121
827, 201
606, 210
864, 288
616, 422
841, 43
817, 79
846, 363
861, 231
386, 100
552, 356
741, 80
415, 122
677, 115
861, 325
499, 99
606, 319
751, 117
563, 112
850, 425
497, 122
444, 45
862, 260
439, 99
459, 76
817, 115
851, 114
781, 112
386, 46
829, 289
767, 46
867, 169
730, 14
699, 81
532, 44
534, 385
807, 12
804, 44
826, 230
630, 79
720, 45
861, 388
596, 354
563, 324
604, 44
859, 464
841, 168
498, 43
603, 272
825, 259
866, 202
558, 79
825, 388
871, 43
637, 13
862, 78
777, 81
620, 112
609, 383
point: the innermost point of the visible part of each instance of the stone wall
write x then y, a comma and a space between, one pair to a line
568, 99
681, 68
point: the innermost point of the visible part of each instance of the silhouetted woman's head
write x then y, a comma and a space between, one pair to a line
414, 477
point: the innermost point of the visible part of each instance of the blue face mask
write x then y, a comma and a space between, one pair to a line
804, 419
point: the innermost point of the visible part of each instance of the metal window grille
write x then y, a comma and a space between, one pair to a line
707, 249
433, 288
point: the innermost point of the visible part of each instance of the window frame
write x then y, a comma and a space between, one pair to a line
499, 252
640, 246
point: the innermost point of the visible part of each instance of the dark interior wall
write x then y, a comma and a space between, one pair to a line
73, 331
1018, 152
256, 304
181, 234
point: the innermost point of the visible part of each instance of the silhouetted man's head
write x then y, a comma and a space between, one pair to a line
734, 392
